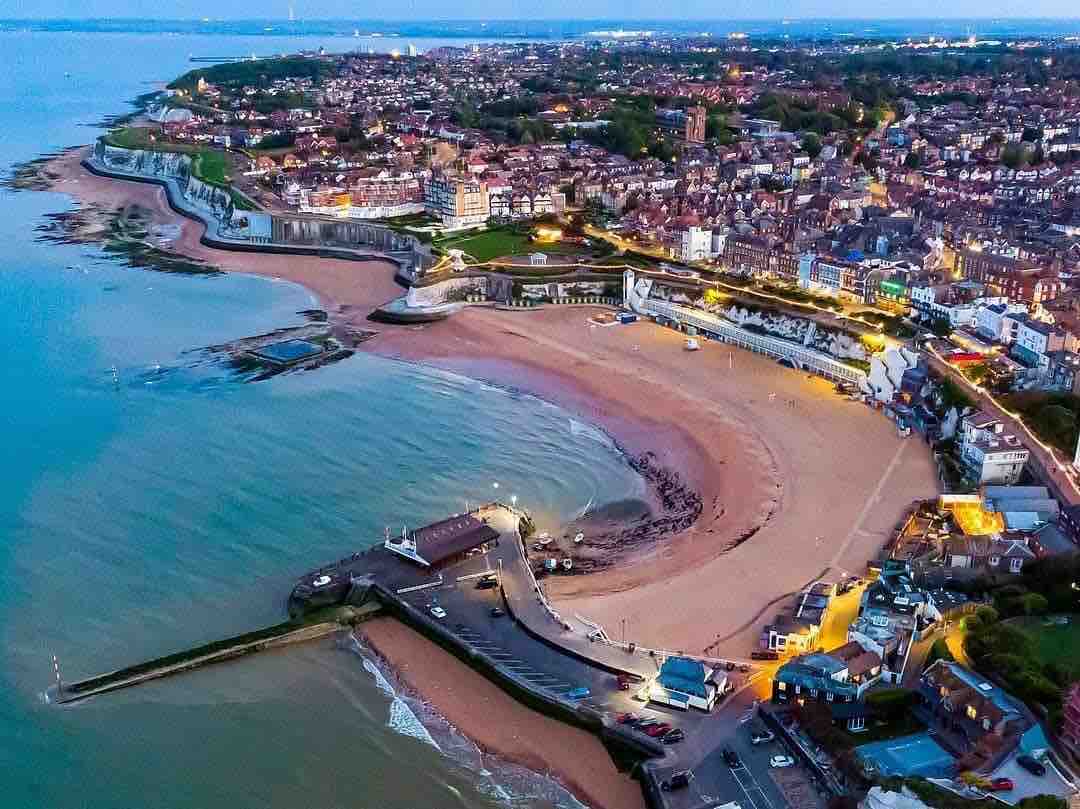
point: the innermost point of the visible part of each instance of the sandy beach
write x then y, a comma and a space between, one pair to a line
795, 481
348, 289
498, 723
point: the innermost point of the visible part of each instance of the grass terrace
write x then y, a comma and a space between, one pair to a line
1054, 417
1054, 642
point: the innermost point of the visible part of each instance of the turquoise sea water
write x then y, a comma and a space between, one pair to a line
179, 504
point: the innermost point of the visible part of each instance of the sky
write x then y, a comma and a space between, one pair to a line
530, 9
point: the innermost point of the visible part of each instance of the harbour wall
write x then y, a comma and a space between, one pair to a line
320, 625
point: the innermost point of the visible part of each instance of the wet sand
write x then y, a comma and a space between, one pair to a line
348, 289
498, 723
795, 482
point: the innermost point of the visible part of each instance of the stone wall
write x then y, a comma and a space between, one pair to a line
282, 229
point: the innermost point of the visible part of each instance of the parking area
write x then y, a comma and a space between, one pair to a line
477, 614
798, 788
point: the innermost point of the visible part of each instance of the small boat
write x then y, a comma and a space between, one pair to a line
577, 539
692, 344
567, 564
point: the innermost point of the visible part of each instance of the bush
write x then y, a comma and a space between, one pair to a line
987, 615
890, 703
939, 650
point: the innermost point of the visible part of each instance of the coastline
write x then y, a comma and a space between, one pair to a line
509, 731
788, 493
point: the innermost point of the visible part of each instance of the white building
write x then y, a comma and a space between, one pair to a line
695, 244
996, 322
459, 201
991, 452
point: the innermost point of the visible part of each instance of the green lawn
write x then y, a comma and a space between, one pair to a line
1054, 644
489, 244
876, 732
211, 167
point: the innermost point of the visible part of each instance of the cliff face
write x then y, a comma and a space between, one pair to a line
834, 342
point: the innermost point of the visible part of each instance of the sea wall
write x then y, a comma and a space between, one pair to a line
835, 342
232, 229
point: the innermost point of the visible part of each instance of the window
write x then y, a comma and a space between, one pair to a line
798, 688
829, 696
813, 693
972, 713
994, 560
782, 686
1016, 564
856, 723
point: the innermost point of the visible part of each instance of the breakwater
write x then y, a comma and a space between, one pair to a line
317, 625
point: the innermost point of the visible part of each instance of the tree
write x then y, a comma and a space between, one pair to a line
890, 703
987, 615
1031, 134
1013, 156
811, 144
913, 160
1043, 802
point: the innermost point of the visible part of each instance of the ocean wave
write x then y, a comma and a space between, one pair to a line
504, 782
402, 719
578, 428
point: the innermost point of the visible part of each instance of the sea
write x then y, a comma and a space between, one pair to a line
152, 498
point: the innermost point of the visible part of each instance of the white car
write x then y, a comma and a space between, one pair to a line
438, 612
781, 761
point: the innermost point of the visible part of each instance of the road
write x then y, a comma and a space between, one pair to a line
1055, 474
469, 617
712, 278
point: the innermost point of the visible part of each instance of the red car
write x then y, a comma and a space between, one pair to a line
626, 718
658, 730
1001, 785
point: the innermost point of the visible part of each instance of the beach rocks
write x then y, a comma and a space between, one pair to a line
609, 541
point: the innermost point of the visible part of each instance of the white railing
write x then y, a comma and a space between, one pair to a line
729, 332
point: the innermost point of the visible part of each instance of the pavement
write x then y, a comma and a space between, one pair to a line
535, 646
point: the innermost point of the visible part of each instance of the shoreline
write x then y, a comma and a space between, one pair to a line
511, 732
786, 492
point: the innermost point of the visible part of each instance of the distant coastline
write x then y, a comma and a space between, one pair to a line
554, 30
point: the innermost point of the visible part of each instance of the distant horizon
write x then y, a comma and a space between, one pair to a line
579, 18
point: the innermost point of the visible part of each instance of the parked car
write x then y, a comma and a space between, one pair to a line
624, 681
781, 761
731, 758
580, 692
488, 582
438, 612
497, 612
641, 724
1032, 765
730, 666
656, 731
764, 654
627, 718
678, 780
673, 736
761, 736
1001, 785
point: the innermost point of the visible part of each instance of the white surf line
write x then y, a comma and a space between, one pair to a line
870, 501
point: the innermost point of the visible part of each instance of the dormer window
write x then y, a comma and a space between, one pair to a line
994, 560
